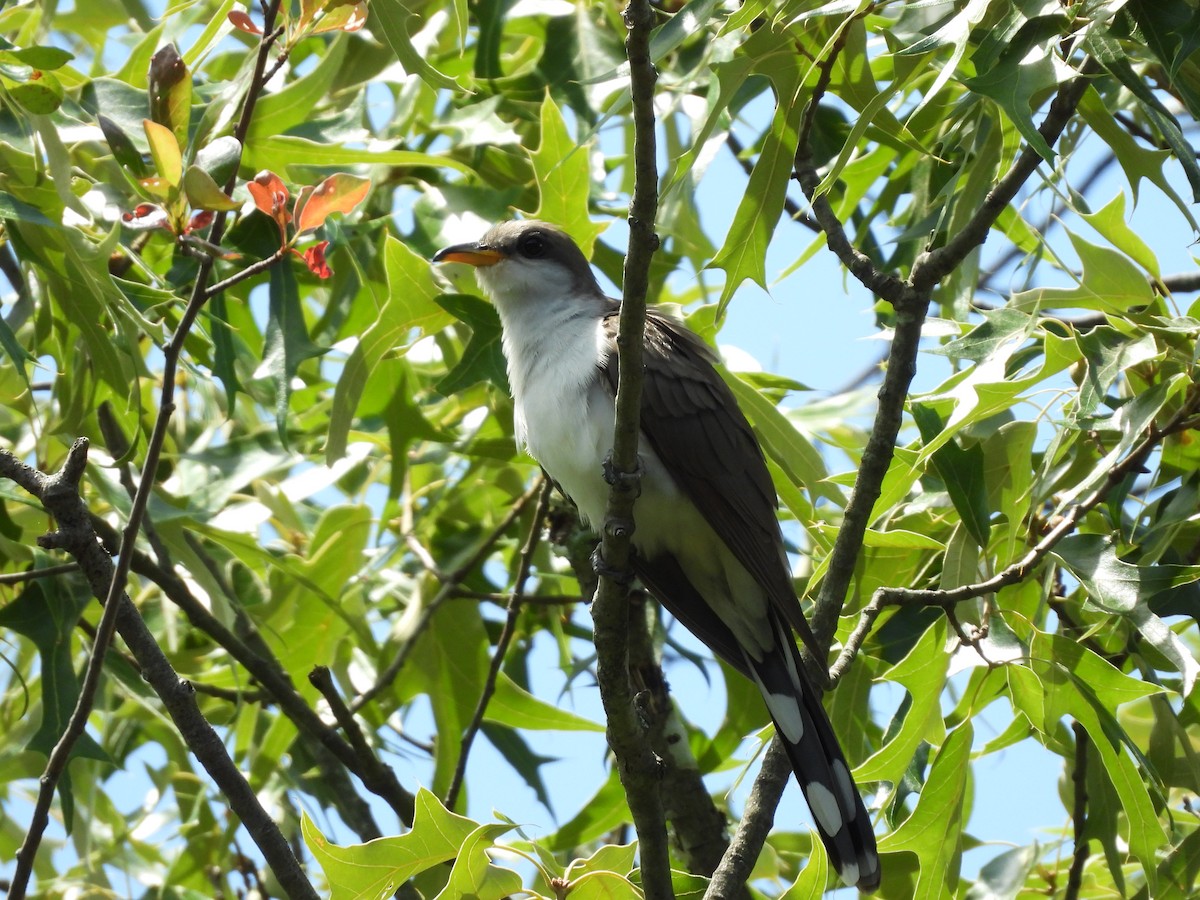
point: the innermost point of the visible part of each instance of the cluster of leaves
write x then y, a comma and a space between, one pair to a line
339, 482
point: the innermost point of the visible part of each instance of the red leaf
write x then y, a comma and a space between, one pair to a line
146, 217
200, 220
314, 258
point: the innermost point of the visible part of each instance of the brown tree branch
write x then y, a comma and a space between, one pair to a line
256, 657
60, 496
1018, 571
610, 610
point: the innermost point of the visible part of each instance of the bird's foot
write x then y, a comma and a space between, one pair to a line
626, 481
600, 566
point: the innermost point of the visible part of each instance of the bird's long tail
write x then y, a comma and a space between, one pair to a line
821, 769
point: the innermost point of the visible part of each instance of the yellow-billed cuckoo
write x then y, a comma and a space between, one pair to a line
707, 539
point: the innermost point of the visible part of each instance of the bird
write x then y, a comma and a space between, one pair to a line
707, 541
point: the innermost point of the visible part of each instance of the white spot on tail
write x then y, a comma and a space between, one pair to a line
824, 806
849, 873
845, 786
785, 710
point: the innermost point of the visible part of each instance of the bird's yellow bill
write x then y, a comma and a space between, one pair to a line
469, 254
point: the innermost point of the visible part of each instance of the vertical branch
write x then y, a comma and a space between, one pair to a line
1078, 813
610, 611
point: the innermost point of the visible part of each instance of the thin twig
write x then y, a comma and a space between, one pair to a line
33, 574
256, 657
1078, 814
730, 878
1065, 523
450, 583
515, 601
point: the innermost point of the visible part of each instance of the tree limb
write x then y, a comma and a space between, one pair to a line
59, 494
610, 610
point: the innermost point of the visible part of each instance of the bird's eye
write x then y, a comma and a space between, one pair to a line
533, 246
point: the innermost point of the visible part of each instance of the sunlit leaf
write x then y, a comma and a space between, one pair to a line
204, 193
164, 149
339, 193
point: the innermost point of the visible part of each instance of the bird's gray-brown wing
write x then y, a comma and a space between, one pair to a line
694, 425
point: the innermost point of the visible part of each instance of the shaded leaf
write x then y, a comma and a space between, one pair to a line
483, 358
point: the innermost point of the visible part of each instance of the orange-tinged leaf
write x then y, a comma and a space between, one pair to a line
337, 193
270, 196
164, 149
240, 19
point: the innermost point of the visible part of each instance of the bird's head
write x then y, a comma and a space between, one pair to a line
522, 262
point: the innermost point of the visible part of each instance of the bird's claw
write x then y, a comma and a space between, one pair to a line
600, 566
624, 480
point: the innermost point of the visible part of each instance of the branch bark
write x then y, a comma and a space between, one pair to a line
60, 496
610, 610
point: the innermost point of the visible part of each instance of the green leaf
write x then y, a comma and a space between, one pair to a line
124, 152
599, 815
164, 148
280, 111
1004, 877
474, 874
409, 312
1136, 161
40, 57
220, 158
1110, 222
12, 208
1108, 353
378, 868
743, 255
483, 357
514, 706
1126, 589
46, 615
923, 673
287, 150
40, 94
1109, 53
783, 442
204, 193
1022, 71
287, 344
562, 170
961, 470
516, 752
934, 830
223, 350
390, 19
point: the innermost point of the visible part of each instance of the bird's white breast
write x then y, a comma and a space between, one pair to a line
563, 412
